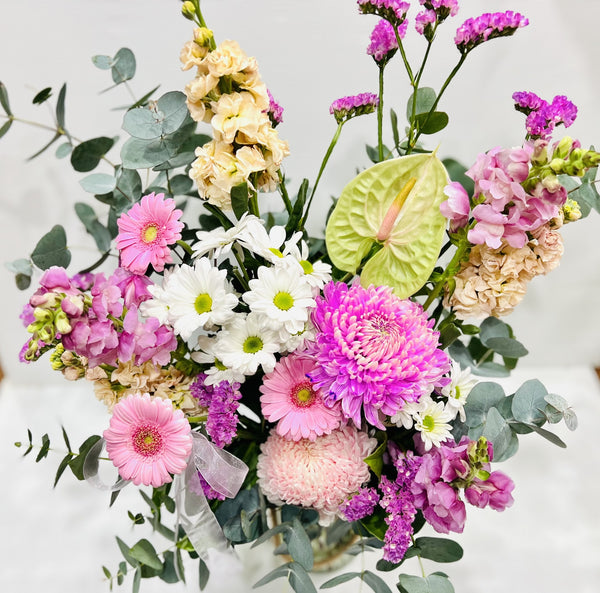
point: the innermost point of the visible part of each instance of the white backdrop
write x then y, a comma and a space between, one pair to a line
310, 52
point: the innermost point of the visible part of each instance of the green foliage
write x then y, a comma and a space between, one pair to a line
4, 100
373, 581
87, 155
434, 583
438, 549
144, 552
93, 226
239, 200
164, 117
296, 575
425, 100
98, 183
42, 96
51, 249
375, 460
23, 269
76, 464
123, 66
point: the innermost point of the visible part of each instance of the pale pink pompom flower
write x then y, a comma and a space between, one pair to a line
317, 474
148, 440
145, 232
290, 399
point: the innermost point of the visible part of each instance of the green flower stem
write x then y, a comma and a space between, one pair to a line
220, 215
253, 203
244, 280
380, 115
437, 99
185, 247
96, 264
283, 192
449, 272
332, 144
412, 539
212, 44
404, 58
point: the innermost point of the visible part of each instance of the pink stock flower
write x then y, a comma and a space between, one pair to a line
290, 399
317, 474
495, 492
374, 351
148, 440
145, 232
457, 207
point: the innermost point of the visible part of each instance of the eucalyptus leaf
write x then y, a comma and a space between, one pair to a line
508, 347
529, 402
299, 545
145, 154
439, 549
181, 185
5, 127
434, 583
42, 96
20, 266
425, 101
431, 123
137, 577
510, 449
277, 573
123, 66
51, 249
64, 150
342, 578
482, 397
300, 580
60, 107
168, 573
375, 582
76, 464
87, 155
549, 436
497, 431
102, 62
144, 552
4, 99
23, 281
126, 554
93, 226
98, 183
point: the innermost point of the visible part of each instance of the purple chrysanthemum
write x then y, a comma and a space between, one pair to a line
346, 108
393, 11
475, 31
374, 350
222, 401
360, 505
383, 41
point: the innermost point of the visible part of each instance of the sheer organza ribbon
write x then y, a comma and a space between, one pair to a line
90, 469
224, 473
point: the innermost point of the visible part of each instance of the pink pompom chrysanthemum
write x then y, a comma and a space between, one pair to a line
317, 474
148, 440
374, 351
145, 232
288, 396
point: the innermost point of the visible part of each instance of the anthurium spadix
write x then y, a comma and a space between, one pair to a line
396, 205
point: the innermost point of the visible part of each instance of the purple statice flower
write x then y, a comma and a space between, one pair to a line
442, 9
393, 11
383, 41
457, 207
562, 111
539, 125
346, 108
475, 31
526, 102
424, 23
275, 111
399, 503
374, 351
360, 505
222, 402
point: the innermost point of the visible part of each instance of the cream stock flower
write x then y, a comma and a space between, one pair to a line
236, 112
227, 59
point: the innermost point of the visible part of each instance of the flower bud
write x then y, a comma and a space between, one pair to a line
73, 373
188, 10
551, 183
557, 165
46, 334
563, 148
540, 153
571, 211
203, 36
42, 315
61, 322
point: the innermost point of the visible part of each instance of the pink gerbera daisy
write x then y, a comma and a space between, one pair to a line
148, 440
289, 396
145, 232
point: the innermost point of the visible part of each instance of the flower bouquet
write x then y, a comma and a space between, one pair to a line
266, 385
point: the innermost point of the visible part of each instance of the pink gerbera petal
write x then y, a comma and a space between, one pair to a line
148, 440
289, 396
146, 230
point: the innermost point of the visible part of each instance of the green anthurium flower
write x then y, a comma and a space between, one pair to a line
394, 205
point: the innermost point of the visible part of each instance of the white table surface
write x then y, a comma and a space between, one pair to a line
56, 540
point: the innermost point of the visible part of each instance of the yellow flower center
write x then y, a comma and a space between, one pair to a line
150, 233
203, 303
302, 394
428, 423
252, 344
307, 266
283, 301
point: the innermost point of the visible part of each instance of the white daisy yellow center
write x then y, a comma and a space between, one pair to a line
283, 300
252, 344
203, 303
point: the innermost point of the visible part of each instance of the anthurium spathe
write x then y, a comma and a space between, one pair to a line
394, 204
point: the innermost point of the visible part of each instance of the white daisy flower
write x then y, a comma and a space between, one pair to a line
292, 342
266, 244
246, 344
219, 241
157, 306
461, 384
406, 416
296, 255
198, 298
282, 297
218, 371
434, 424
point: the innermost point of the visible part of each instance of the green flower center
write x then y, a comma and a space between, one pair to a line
252, 344
283, 301
428, 423
150, 233
307, 266
203, 303
457, 392
275, 252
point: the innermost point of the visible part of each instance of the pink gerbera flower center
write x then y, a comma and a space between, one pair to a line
150, 233
302, 395
147, 440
